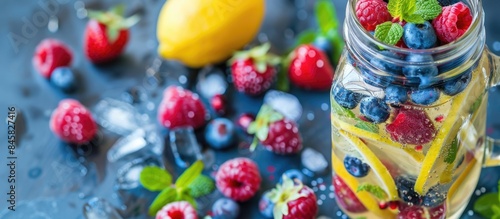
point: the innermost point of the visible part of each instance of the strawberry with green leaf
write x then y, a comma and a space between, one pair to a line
293, 200
107, 34
190, 185
275, 132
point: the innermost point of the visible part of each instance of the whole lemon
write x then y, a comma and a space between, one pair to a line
201, 32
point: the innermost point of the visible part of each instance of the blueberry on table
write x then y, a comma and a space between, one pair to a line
396, 95
374, 109
385, 65
346, 98
225, 208
355, 166
419, 36
64, 78
406, 191
457, 85
220, 133
266, 206
425, 96
294, 175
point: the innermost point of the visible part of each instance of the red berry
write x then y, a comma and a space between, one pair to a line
407, 211
177, 210
411, 127
248, 80
453, 22
283, 137
346, 198
238, 179
310, 69
181, 107
98, 47
50, 54
304, 207
218, 103
72, 122
372, 13
383, 205
244, 120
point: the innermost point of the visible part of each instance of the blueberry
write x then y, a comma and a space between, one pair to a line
375, 80
346, 98
293, 174
419, 36
323, 44
447, 2
416, 69
64, 78
435, 196
384, 65
406, 191
355, 166
225, 208
266, 206
396, 95
220, 133
457, 85
425, 96
374, 109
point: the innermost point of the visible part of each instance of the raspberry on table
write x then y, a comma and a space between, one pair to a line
453, 22
372, 13
72, 122
238, 179
180, 209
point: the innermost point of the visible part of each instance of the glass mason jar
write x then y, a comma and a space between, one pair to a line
410, 147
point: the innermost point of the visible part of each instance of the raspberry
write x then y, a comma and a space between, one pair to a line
49, 55
180, 107
372, 13
346, 198
72, 122
238, 179
177, 210
411, 127
453, 22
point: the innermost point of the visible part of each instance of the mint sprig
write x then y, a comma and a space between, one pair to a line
411, 11
154, 178
488, 205
375, 190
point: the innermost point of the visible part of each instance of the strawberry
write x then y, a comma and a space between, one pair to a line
50, 54
310, 68
106, 34
72, 122
346, 198
277, 133
411, 127
181, 107
253, 71
409, 211
177, 210
238, 179
293, 200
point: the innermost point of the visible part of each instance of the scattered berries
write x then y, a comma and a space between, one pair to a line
294, 201
220, 133
346, 98
419, 36
295, 175
453, 22
218, 103
64, 78
396, 95
426, 96
345, 197
310, 69
374, 109
176, 210
411, 127
266, 206
238, 179
225, 208
372, 13
355, 166
72, 122
50, 54
181, 107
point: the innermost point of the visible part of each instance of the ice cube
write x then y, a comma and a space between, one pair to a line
185, 147
314, 160
141, 143
285, 103
97, 208
211, 81
117, 116
353, 80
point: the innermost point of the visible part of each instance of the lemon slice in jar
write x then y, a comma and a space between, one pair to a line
435, 162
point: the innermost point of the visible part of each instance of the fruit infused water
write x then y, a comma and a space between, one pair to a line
408, 129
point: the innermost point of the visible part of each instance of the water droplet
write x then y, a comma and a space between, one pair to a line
182, 79
302, 14
320, 63
35, 172
310, 116
320, 202
150, 106
53, 24
81, 13
324, 106
262, 37
496, 46
470, 212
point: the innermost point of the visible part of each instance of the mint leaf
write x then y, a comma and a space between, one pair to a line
166, 196
476, 104
189, 175
185, 196
484, 204
367, 126
452, 152
305, 37
154, 178
415, 18
326, 16
388, 32
400, 8
341, 111
428, 9
201, 186
375, 190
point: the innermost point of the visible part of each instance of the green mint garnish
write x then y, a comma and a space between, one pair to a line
389, 32
488, 205
189, 175
452, 152
154, 178
166, 196
412, 11
367, 126
476, 104
341, 111
375, 190
326, 16
201, 186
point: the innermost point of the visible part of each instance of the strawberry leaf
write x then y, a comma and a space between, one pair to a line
262, 133
375, 190
484, 204
154, 178
428, 9
166, 196
326, 16
305, 37
189, 175
118, 10
388, 32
